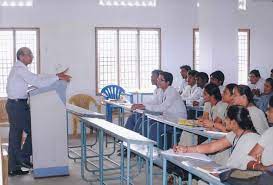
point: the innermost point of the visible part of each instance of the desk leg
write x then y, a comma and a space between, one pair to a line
174, 136
148, 128
83, 148
165, 138
189, 179
151, 164
122, 164
157, 134
164, 171
142, 123
101, 155
128, 163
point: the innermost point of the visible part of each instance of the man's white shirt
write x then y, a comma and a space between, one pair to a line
191, 93
183, 84
171, 104
259, 85
20, 78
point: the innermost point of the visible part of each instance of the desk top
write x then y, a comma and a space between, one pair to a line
117, 131
195, 166
172, 121
83, 112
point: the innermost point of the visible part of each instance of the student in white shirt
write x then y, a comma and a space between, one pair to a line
156, 99
243, 96
256, 82
202, 79
218, 78
18, 109
261, 156
241, 139
184, 72
171, 104
191, 92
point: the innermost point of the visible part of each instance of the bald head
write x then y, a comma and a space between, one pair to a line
25, 55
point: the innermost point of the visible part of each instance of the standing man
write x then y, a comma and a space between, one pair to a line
184, 74
19, 111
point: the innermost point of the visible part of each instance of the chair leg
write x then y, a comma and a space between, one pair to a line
74, 131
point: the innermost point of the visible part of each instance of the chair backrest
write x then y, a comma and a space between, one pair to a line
3, 113
84, 101
112, 92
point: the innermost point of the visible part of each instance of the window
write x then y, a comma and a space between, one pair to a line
242, 4
243, 55
126, 57
10, 41
196, 49
129, 3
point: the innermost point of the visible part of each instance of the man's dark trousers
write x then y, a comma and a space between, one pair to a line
20, 121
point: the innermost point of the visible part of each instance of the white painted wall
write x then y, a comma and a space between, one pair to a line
67, 33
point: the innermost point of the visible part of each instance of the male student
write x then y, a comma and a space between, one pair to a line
157, 96
218, 78
170, 105
19, 111
256, 83
202, 79
184, 73
191, 92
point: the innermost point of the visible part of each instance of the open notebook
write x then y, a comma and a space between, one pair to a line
197, 156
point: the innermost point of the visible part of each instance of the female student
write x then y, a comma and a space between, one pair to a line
261, 156
241, 139
214, 108
263, 100
227, 99
244, 97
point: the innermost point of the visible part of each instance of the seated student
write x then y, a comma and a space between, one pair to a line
170, 105
156, 98
191, 92
214, 108
261, 156
262, 102
218, 78
202, 79
244, 97
227, 98
184, 74
241, 139
256, 83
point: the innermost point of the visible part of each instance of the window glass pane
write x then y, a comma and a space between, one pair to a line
6, 59
196, 51
28, 39
128, 59
243, 56
149, 56
107, 58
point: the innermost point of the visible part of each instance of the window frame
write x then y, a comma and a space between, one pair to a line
14, 29
193, 47
247, 30
138, 29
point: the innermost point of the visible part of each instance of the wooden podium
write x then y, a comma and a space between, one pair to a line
49, 139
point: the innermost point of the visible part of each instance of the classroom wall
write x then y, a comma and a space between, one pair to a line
67, 34
68, 37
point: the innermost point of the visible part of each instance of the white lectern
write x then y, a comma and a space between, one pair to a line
49, 139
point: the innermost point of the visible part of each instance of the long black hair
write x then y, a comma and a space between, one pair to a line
241, 115
245, 90
213, 90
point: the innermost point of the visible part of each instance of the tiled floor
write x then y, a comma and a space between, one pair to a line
75, 178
